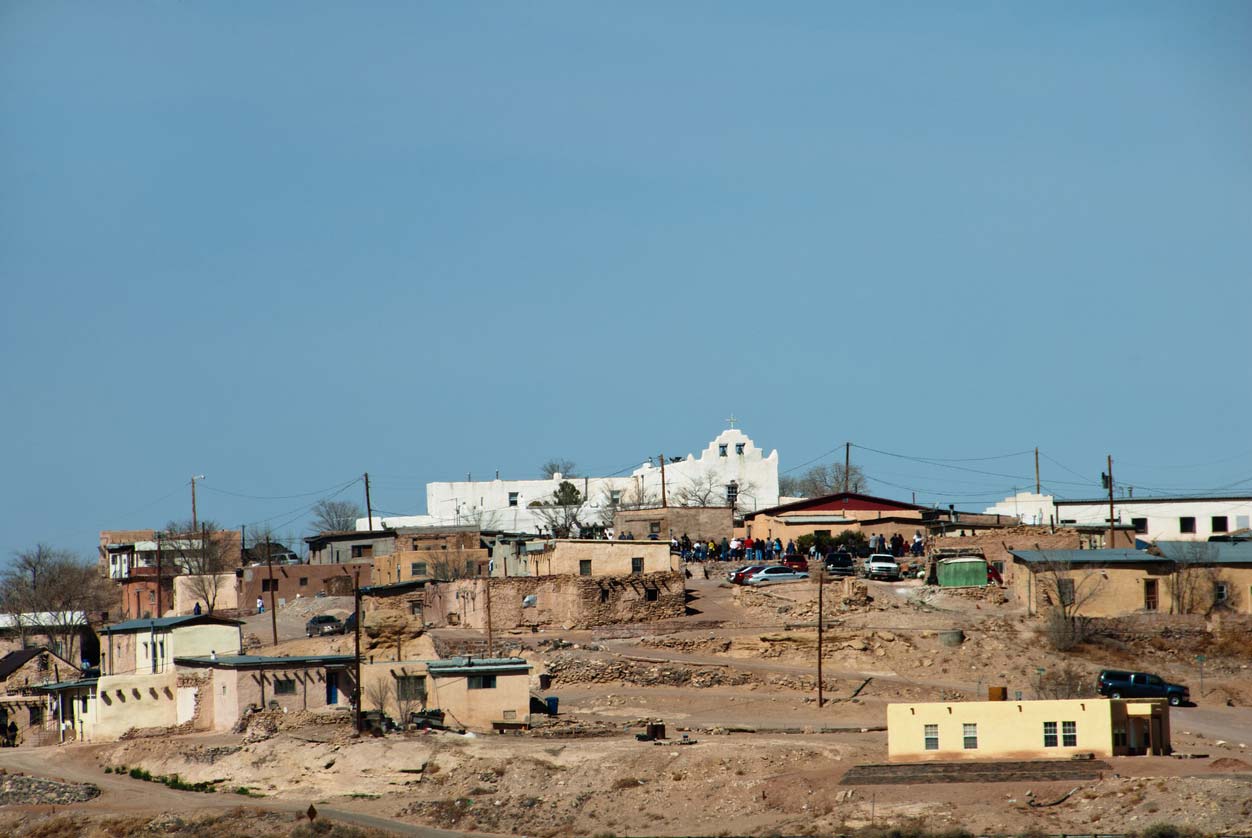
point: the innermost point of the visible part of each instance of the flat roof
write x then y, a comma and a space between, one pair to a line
1086, 557
168, 622
469, 666
264, 662
1104, 501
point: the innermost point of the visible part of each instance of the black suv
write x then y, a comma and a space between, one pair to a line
840, 564
1116, 684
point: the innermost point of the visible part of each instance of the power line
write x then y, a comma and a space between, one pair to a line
337, 486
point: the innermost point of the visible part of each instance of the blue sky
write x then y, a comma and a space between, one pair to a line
282, 244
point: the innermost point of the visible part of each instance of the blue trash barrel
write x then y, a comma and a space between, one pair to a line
553, 703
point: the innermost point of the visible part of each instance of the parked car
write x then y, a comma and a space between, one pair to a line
882, 566
776, 573
1117, 684
740, 576
840, 564
323, 624
796, 562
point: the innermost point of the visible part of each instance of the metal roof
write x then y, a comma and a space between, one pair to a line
1096, 557
466, 665
168, 622
263, 662
68, 685
1207, 552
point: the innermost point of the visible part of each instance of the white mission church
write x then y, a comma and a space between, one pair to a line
732, 457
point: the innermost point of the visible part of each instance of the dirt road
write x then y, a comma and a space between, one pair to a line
123, 795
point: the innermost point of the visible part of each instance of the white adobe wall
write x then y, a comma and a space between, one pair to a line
486, 502
1163, 517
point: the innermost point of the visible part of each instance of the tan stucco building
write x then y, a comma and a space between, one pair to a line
600, 557
1107, 583
1050, 729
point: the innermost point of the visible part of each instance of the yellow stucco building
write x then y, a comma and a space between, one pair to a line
1046, 729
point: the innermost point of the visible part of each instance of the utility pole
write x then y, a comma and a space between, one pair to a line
664, 499
847, 464
490, 648
821, 583
369, 510
356, 604
270, 564
1112, 532
1037, 486
158, 591
195, 522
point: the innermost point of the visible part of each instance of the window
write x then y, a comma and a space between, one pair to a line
584, 567
738, 447
471, 567
615, 497
269, 585
931, 735
362, 551
970, 734
417, 569
36, 716
721, 450
1140, 525
1186, 524
304, 581
1049, 734
151, 596
821, 533
411, 688
1065, 590
481, 682
1151, 596
1069, 734
1119, 738
284, 686
636, 565
652, 594
654, 527
1220, 591
1219, 524
513, 498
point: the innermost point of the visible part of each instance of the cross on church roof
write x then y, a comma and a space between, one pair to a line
732, 420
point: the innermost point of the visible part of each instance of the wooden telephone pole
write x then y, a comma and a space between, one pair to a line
1037, 484
664, 499
273, 613
369, 510
821, 583
847, 464
1112, 532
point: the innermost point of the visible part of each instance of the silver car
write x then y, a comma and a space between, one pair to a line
775, 574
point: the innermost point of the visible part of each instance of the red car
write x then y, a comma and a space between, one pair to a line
795, 562
740, 576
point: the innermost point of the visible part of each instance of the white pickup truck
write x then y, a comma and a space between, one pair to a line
882, 566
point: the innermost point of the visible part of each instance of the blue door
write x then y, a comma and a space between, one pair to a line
332, 687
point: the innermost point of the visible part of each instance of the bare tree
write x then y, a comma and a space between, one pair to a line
560, 513
204, 555
822, 480
379, 692
705, 489
1198, 585
335, 515
53, 591
558, 465
1064, 591
480, 519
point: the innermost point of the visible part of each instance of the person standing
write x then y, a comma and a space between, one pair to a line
260, 605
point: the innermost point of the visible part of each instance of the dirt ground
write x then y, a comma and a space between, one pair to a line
738, 678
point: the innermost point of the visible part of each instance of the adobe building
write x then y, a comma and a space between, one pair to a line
996, 545
24, 716
474, 693
564, 600
665, 522
1020, 730
600, 557
869, 515
343, 547
420, 553
1173, 578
